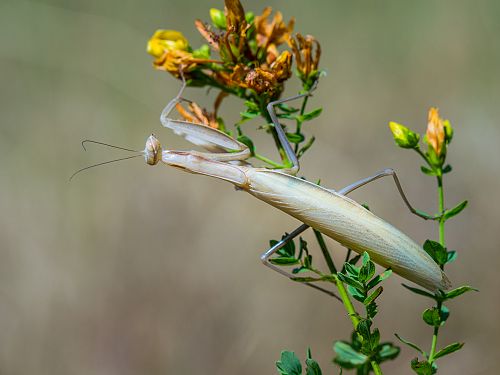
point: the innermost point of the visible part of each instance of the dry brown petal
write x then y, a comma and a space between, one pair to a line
235, 15
273, 32
210, 36
282, 67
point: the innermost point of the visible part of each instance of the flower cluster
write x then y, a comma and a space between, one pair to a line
255, 53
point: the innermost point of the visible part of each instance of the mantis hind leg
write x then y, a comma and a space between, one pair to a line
384, 173
265, 258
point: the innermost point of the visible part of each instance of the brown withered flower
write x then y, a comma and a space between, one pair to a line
271, 34
282, 66
194, 113
235, 16
435, 131
307, 52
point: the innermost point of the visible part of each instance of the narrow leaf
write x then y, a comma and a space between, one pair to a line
449, 349
409, 343
448, 214
311, 115
284, 261
419, 291
372, 297
459, 291
427, 171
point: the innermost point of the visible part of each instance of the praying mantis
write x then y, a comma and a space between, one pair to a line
328, 211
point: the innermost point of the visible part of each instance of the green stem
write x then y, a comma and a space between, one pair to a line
376, 368
326, 253
435, 334
268, 161
344, 296
299, 123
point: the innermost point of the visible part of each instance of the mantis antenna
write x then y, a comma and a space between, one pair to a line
105, 162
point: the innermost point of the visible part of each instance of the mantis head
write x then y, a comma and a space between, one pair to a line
152, 151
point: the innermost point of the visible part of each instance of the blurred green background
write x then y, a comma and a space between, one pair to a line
137, 270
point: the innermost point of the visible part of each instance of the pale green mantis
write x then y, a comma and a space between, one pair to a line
328, 211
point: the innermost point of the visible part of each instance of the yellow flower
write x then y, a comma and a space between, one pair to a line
166, 40
435, 131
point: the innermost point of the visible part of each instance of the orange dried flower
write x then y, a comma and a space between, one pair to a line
198, 115
307, 52
435, 131
282, 66
272, 32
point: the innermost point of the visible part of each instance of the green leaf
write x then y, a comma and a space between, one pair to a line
388, 351
366, 258
295, 138
202, 53
310, 115
218, 18
378, 279
289, 364
452, 255
252, 107
420, 291
428, 171
409, 343
403, 136
351, 270
248, 142
447, 169
350, 281
357, 295
432, 317
284, 261
372, 297
306, 147
448, 130
347, 356
422, 367
367, 271
445, 314
249, 17
448, 214
312, 367
286, 108
248, 115
371, 310
449, 349
459, 291
436, 251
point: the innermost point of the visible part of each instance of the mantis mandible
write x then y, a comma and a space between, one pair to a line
328, 211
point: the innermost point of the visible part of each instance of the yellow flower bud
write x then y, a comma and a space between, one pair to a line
403, 136
435, 131
165, 41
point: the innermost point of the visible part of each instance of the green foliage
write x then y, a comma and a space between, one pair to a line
289, 364
438, 136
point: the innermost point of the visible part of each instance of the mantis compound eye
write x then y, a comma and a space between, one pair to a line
152, 151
